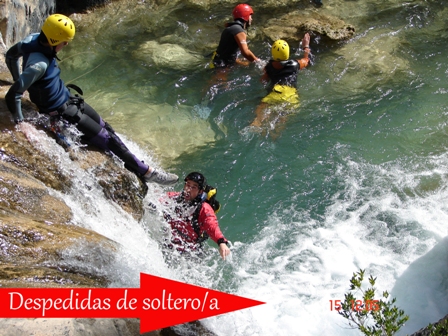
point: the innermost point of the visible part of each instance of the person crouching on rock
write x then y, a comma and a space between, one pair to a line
41, 77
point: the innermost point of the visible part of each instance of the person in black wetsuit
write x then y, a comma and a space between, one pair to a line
40, 76
233, 39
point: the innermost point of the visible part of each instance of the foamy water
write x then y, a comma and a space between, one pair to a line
355, 179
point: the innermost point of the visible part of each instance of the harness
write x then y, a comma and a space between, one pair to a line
73, 108
196, 227
227, 50
210, 198
69, 112
287, 75
216, 206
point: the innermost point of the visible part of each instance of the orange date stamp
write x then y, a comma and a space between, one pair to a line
356, 305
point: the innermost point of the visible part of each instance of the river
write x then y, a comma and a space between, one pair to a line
354, 178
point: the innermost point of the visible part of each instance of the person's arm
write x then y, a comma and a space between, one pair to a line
210, 225
34, 70
224, 250
265, 77
12, 57
240, 38
304, 61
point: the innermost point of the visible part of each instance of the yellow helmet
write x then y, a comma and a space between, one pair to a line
58, 28
280, 50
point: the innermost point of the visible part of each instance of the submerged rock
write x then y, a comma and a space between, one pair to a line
294, 25
167, 55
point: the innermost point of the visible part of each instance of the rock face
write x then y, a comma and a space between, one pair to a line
38, 241
73, 327
19, 18
35, 225
438, 328
293, 25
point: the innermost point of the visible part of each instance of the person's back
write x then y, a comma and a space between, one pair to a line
228, 47
282, 70
233, 38
281, 73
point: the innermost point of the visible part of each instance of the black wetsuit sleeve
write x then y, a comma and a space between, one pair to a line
12, 61
35, 68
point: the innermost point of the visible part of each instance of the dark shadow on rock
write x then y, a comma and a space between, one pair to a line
68, 7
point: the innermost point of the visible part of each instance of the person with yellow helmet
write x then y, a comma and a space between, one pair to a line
40, 76
233, 38
281, 72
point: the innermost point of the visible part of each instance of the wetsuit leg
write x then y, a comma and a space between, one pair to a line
95, 132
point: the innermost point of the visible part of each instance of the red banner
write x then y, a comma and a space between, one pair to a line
158, 303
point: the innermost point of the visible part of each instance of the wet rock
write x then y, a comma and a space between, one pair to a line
167, 55
292, 26
73, 327
21, 192
17, 150
31, 250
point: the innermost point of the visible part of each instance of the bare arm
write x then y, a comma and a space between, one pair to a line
304, 61
265, 77
240, 38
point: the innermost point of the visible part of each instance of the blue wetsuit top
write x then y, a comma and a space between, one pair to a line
40, 76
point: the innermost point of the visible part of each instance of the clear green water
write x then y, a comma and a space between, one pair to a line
355, 177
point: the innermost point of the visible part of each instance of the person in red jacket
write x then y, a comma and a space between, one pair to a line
192, 219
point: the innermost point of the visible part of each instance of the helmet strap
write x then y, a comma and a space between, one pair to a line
243, 22
55, 54
43, 39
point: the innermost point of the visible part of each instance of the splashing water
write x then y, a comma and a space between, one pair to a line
355, 179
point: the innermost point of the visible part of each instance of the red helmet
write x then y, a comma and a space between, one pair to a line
242, 11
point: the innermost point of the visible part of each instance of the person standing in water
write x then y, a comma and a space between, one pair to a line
232, 42
40, 76
233, 39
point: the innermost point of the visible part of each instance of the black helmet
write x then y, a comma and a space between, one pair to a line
198, 178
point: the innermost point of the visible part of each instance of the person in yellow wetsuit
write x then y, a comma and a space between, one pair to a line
281, 72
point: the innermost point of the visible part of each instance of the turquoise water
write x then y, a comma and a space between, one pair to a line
353, 178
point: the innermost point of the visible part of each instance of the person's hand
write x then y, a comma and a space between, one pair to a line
306, 41
260, 64
224, 251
